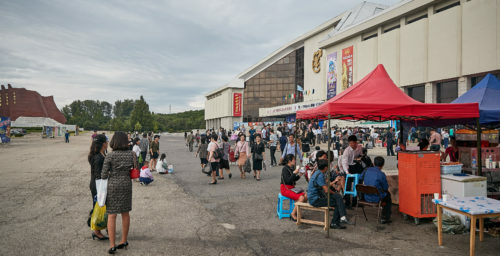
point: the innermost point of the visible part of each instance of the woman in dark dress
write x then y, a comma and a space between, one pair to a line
96, 161
116, 169
289, 176
258, 149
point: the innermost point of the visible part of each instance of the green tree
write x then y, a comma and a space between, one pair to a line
141, 114
123, 109
138, 127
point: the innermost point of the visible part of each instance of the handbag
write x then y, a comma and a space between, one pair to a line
257, 156
102, 191
99, 219
134, 172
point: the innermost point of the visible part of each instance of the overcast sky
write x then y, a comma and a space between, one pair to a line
172, 52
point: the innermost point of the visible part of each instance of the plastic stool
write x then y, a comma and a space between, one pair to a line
280, 211
353, 192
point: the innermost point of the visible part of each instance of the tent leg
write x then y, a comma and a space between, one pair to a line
479, 154
328, 175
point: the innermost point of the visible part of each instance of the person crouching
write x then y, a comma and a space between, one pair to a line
146, 177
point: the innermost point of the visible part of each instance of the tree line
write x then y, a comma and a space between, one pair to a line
129, 115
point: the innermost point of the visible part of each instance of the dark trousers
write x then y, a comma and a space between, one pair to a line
386, 210
390, 150
143, 154
273, 157
145, 180
318, 139
335, 201
67, 139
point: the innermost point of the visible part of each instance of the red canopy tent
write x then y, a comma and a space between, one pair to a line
377, 98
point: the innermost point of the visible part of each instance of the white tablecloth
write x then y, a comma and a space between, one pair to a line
472, 205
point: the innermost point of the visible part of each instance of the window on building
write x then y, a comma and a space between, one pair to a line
476, 79
416, 19
417, 92
446, 7
446, 91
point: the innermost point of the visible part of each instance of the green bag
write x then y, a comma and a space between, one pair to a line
140, 159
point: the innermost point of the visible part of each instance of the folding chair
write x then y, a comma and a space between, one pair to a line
369, 190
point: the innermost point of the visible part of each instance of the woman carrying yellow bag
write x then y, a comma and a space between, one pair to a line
96, 160
99, 220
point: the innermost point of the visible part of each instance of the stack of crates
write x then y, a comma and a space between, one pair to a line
419, 178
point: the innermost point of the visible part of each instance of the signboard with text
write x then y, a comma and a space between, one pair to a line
4, 130
347, 66
237, 104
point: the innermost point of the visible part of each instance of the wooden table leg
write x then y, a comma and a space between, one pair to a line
440, 224
481, 228
472, 235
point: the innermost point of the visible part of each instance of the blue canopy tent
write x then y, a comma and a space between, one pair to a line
487, 94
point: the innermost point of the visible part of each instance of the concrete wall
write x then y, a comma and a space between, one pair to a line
480, 36
221, 105
312, 80
455, 43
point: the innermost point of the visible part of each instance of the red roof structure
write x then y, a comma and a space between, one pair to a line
377, 98
16, 102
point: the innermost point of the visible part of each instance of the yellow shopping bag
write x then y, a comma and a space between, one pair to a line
99, 218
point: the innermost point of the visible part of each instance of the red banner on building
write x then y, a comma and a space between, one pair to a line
237, 104
347, 79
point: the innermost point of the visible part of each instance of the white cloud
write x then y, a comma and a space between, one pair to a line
172, 52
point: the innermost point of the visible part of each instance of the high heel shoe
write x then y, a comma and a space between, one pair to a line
112, 250
94, 236
121, 246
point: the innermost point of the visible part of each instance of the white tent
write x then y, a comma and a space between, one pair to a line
30, 122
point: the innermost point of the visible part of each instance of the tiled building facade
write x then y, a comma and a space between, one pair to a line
267, 88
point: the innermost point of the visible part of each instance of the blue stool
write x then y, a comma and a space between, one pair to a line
280, 211
353, 192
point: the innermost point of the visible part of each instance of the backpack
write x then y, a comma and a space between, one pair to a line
218, 153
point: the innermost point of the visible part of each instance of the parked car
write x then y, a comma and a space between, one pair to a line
18, 132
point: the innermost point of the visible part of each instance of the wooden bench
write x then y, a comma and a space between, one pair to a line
305, 206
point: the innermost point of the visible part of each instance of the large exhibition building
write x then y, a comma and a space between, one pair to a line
435, 50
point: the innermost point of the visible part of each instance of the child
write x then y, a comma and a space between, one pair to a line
162, 166
146, 177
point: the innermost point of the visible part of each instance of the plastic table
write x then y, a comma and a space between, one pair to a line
476, 208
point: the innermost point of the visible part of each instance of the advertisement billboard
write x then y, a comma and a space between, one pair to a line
237, 104
331, 76
4, 129
347, 78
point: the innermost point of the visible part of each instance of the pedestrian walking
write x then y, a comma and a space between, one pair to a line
389, 139
116, 169
214, 162
96, 160
144, 146
66, 136
224, 162
203, 153
241, 152
155, 151
273, 143
258, 149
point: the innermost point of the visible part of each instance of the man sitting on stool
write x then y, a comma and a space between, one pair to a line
317, 195
374, 176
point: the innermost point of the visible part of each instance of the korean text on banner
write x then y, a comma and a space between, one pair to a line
4, 130
347, 79
237, 104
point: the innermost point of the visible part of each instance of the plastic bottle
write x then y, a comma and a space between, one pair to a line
474, 162
490, 162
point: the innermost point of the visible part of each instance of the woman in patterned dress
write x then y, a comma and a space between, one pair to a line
116, 169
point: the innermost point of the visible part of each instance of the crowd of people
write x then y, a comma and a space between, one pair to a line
216, 149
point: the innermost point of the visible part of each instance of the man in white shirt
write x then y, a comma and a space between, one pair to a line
351, 153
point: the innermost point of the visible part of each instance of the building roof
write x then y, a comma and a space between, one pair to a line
359, 25
236, 84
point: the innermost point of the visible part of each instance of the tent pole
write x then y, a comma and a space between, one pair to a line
479, 154
328, 176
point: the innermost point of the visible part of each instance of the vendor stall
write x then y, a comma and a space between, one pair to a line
486, 135
377, 98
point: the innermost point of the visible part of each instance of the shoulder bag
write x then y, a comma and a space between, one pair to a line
134, 172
